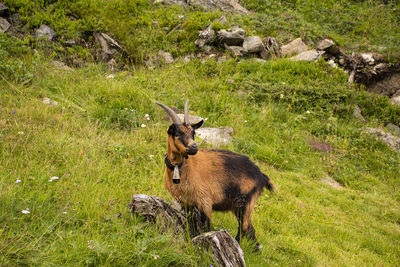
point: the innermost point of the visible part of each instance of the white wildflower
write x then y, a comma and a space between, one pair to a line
151, 156
26, 211
21, 133
17, 181
147, 117
53, 178
64, 212
143, 125
308, 112
245, 120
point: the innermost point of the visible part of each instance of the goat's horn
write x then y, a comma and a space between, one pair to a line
171, 113
186, 116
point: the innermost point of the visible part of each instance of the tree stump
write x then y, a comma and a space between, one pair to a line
225, 248
166, 216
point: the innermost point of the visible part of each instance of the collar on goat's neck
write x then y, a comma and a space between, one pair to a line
176, 178
172, 166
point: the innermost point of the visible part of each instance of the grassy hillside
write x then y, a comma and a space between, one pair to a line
94, 142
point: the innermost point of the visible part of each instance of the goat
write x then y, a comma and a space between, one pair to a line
211, 179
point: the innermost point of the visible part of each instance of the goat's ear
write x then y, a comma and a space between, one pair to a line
197, 125
172, 129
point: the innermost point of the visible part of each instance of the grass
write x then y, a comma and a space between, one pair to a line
93, 140
94, 143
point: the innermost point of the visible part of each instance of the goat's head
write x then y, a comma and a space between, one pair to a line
181, 135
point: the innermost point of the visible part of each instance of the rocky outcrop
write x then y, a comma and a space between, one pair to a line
224, 5
108, 46
253, 44
310, 55
4, 25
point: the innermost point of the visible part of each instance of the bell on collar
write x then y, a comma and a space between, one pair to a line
176, 179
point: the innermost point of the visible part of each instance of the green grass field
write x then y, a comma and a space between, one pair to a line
94, 142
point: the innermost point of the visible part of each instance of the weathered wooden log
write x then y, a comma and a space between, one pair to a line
225, 248
167, 216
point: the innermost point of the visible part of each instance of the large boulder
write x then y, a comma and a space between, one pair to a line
45, 32
233, 36
295, 47
216, 136
253, 44
205, 37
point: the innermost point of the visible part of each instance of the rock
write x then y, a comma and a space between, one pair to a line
60, 65
192, 119
216, 136
233, 36
224, 5
111, 41
341, 61
271, 46
188, 58
332, 64
45, 32
225, 248
395, 100
112, 64
166, 57
296, 46
49, 102
4, 11
111, 76
388, 85
205, 37
237, 51
108, 46
311, 55
4, 25
392, 141
253, 44
368, 58
171, 2
329, 181
357, 114
325, 44
394, 128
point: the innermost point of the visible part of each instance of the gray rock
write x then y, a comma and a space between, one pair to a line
325, 44
45, 32
332, 64
224, 5
4, 11
357, 114
166, 57
388, 138
296, 46
311, 55
205, 37
4, 25
60, 65
236, 51
394, 128
188, 58
233, 36
395, 100
253, 44
112, 64
388, 86
192, 119
216, 136
111, 41
171, 2
368, 58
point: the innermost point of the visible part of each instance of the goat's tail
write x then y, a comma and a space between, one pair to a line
268, 183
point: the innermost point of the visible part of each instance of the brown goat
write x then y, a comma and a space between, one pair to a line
211, 179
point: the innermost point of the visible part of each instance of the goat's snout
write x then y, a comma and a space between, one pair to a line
192, 149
